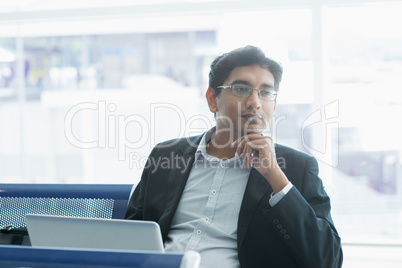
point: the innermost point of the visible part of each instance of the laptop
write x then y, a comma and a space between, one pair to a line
76, 232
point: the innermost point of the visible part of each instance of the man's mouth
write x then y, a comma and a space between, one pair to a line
252, 116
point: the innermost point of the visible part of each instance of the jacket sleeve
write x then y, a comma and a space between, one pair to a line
302, 219
135, 207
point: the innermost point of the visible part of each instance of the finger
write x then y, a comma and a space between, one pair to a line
255, 160
236, 141
247, 137
240, 147
239, 150
241, 144
254, 141
254, 145
247, 155
261, 143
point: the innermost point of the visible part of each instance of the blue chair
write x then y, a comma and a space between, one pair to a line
24, 256
78, 200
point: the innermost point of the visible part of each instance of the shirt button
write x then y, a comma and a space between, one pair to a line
198, 231
206, 219
222, 165
213, 192
276, 221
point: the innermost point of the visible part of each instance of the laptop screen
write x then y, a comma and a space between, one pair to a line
75, 232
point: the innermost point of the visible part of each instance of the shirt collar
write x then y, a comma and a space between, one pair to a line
202, 148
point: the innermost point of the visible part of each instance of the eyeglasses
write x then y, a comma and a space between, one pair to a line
245, 91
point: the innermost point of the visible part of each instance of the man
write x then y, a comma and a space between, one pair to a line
224, 193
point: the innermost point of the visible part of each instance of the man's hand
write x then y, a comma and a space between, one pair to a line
259, 151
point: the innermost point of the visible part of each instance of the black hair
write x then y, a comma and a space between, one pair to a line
223, 65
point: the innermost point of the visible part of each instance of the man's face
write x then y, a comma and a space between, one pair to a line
243, 115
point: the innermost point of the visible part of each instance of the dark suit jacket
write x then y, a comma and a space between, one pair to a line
296, 232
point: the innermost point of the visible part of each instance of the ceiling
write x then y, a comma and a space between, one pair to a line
40, 5
31, 5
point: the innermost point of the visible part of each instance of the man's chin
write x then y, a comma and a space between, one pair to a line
256, 128
253, 131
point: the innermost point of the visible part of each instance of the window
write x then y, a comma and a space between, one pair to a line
83, 99
364, 67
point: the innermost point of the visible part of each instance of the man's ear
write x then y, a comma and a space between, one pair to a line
211, 98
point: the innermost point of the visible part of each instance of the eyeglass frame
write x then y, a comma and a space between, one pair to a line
250, 91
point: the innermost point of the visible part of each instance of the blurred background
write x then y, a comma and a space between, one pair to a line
87, 88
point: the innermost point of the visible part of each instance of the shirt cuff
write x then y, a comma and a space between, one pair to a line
279, 195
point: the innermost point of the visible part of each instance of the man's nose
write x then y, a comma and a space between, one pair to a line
253, 101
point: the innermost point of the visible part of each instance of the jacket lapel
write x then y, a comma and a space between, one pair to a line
183, 159
257, 187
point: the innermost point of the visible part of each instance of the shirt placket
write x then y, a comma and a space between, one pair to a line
210, 207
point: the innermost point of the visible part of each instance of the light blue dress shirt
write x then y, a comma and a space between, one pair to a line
206, 217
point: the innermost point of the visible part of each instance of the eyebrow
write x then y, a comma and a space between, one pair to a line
244, 82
